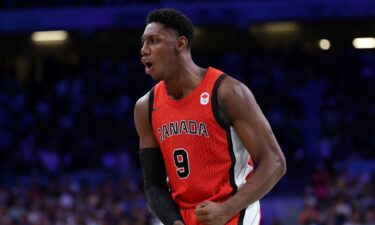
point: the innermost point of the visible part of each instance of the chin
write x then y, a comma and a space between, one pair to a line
155, 77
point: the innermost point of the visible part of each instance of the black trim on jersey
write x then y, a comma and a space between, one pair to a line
242, 216
233, 161
150, 105
215, 103
226, 126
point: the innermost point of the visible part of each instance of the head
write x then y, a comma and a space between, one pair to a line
166, 40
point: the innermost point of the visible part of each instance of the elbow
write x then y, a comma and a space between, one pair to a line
282, 167
278, 164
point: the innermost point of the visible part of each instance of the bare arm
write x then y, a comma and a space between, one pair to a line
142, 124
256, 134
240, 106
153, 168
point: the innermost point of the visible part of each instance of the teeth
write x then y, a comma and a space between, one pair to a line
146, 63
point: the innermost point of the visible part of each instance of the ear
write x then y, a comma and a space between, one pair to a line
182, 43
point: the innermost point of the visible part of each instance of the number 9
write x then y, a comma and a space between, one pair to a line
181, 161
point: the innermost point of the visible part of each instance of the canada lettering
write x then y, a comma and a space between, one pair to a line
190, 127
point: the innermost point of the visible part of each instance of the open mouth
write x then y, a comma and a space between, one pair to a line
148, 64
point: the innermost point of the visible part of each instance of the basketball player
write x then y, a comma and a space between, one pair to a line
200, 131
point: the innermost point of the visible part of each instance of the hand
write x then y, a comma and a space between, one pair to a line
211, 213
178, 222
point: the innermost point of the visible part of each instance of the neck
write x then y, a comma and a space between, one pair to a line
185, 78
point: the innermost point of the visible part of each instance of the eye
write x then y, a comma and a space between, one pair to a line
153, 41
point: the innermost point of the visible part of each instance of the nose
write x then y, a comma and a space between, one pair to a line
145, 50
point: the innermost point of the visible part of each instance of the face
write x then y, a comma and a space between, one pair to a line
158, 50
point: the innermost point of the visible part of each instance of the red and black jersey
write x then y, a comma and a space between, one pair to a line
205, 160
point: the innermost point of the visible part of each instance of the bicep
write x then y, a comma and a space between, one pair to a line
142, 124
248, 120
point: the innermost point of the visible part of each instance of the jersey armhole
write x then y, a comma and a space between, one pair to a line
150, 105
215, 104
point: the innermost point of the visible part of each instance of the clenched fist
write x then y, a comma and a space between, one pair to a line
211, 213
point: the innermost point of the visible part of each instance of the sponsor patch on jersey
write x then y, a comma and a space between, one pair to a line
205, 98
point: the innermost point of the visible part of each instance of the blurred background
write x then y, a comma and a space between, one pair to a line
68, 146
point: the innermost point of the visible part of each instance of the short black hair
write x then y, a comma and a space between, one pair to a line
173, 19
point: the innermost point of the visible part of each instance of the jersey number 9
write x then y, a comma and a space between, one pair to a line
181, 161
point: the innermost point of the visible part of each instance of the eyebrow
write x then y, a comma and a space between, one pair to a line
149, 36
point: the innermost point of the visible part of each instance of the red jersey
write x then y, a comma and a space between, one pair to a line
204, 158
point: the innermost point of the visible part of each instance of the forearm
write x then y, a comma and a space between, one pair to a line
162, 205
157, 192
265, 177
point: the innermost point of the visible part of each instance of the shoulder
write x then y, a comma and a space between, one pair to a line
231, 89
142, 103
142, 122
236, 101
141, 109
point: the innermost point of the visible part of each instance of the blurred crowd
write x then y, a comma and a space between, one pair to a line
339, 198
65, 201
